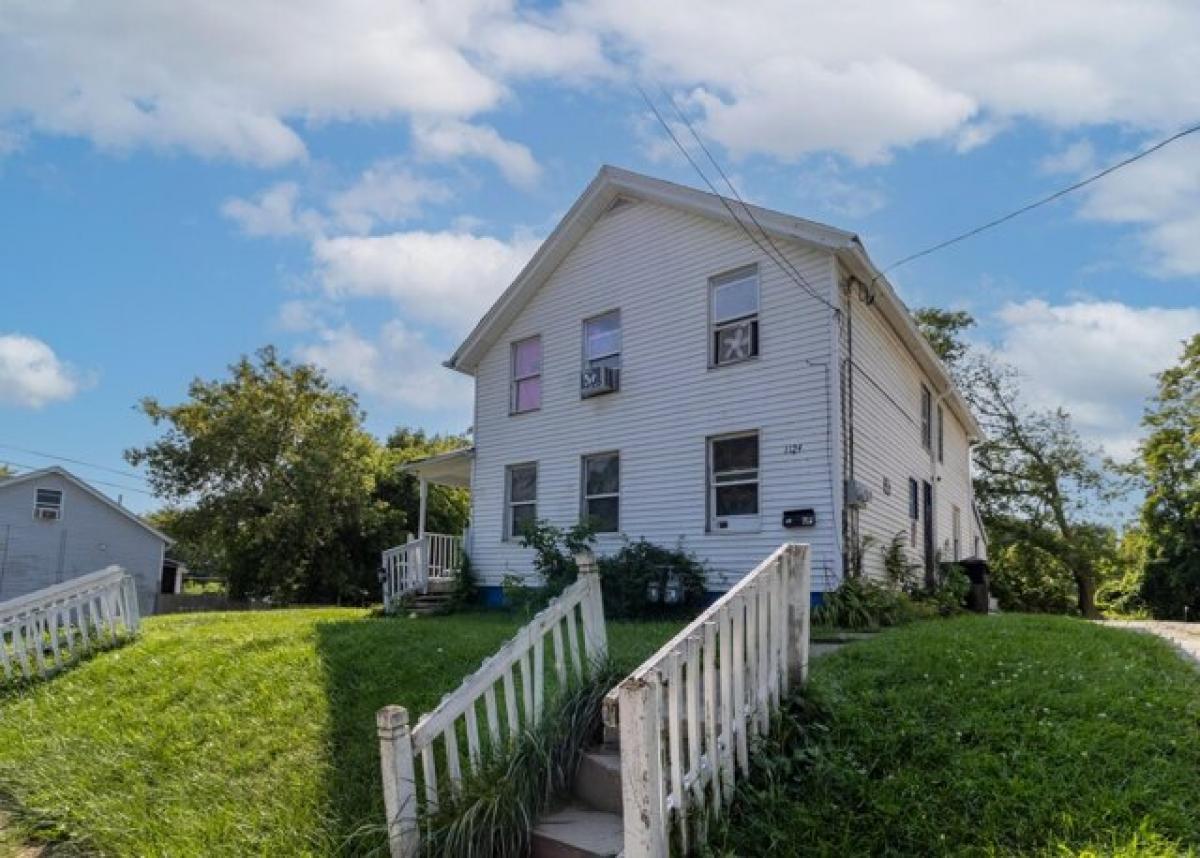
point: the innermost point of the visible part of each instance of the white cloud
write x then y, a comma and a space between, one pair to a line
273, 212
386, 193
1160, 194
31, 375
1079, 157
447, 140
399, 366
223, 78
447, 278
788, 78
1096, 359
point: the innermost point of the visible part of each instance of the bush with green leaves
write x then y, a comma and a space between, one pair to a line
862, 604
1026, 577
555, 550
628, 575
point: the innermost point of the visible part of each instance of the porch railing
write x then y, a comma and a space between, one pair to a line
43, 630
571, 626
686, 717
409, 568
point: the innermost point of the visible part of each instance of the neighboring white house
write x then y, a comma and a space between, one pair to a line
55, 527
652, 367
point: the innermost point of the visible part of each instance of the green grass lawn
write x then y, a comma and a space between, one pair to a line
238, 734
1012, 735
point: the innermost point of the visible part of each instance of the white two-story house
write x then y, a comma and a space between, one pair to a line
656, 369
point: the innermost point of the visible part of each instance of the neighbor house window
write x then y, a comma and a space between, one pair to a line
733, 308
602, 341
914, 500
941, 434
926, 418
47, 504
521, 494
527, 375
602, 492
733, 481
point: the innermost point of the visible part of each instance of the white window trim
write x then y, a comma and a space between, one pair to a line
514, 379
736, 523
38, 505
722, 279
587, 359
508, 501
584, 497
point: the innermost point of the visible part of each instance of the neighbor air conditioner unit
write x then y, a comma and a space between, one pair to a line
46, 513
857, 494
596, 380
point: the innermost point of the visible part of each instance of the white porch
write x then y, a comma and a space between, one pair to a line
427, 562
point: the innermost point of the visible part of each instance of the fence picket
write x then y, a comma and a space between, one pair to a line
724, 677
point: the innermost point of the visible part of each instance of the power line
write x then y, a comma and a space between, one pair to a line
116, 471
29, 467
798, 277
1043, 201
686, 154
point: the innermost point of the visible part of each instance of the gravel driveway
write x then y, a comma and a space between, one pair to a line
1186, 636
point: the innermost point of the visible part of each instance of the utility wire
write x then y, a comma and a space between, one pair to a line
725, 202
797, 276
28, 467
1082, 183
116, 471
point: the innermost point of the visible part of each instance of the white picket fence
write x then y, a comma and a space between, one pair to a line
686, 717
46, 629
410, 567
573, 623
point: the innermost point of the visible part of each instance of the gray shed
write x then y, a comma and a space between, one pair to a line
55, 527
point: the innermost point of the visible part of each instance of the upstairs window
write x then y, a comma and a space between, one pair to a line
926, 418
521, 499
733, 482
733, 308
602, 341
527, 375
602, 492
47, 504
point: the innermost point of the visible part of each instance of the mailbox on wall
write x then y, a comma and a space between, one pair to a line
799, 518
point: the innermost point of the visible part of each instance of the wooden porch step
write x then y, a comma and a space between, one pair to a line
577, 832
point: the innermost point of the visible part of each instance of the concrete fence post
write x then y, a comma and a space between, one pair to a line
399, 781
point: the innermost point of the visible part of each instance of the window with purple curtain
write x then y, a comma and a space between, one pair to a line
527, 375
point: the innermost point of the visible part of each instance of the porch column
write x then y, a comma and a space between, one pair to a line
424, 501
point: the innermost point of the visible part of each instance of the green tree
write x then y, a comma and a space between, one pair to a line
1033, 468
447, 508
273, 479
1170, 465
944, 329
5, 471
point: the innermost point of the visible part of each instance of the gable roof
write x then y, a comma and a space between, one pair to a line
56, 471
612, 183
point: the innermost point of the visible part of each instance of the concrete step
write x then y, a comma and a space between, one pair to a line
598, 780
577, 832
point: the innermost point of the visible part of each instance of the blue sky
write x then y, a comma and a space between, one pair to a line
179, 187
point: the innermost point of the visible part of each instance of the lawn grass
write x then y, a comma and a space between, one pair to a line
1014, 735
247, 733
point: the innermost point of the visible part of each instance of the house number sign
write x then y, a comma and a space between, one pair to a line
792, 449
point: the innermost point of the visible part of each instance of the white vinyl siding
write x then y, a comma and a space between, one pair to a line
39, 553
889, 445
656, 263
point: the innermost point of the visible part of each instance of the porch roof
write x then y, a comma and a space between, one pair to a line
444, 469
